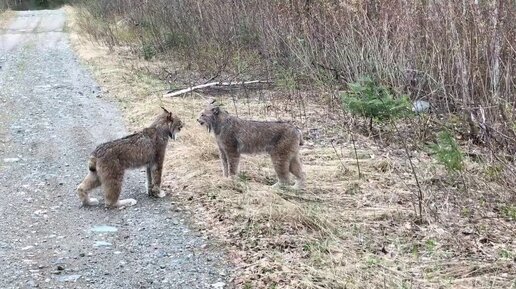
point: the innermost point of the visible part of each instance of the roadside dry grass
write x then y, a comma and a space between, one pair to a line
5, 17
342, 231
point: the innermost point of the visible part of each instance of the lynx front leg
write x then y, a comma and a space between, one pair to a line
233, 160
156, 171
149, 180
224, 161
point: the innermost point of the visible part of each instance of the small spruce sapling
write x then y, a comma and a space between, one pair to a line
373, 101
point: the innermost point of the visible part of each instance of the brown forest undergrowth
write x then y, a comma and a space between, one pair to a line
342, 231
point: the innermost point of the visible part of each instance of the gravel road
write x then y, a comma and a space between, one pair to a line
51, 118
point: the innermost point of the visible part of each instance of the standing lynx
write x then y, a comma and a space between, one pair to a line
145, 148
235, 136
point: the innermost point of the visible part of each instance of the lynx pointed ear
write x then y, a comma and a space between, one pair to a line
212, 100
164, 109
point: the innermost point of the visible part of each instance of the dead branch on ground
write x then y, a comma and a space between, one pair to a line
214, 84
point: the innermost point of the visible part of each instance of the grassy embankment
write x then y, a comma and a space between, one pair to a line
342, 231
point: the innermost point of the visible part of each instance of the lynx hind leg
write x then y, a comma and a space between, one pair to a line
112, 186
281, 166
297, 170
90, 182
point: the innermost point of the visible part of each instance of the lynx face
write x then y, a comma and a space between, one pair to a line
209, 117
174, 126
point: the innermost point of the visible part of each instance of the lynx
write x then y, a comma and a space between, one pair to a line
235, 136
146, 148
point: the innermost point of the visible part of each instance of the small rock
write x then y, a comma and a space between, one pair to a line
68, 278
102, 244
421, 106
218, 285
104, 229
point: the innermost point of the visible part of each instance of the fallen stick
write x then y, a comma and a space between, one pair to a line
219, 83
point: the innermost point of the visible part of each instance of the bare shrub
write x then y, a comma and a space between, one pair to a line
457, 55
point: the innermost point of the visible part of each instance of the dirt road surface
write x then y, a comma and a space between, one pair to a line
52, 116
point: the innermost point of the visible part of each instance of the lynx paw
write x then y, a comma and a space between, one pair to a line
298, 186
279, 185
126, 203
90, 202
157, 193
